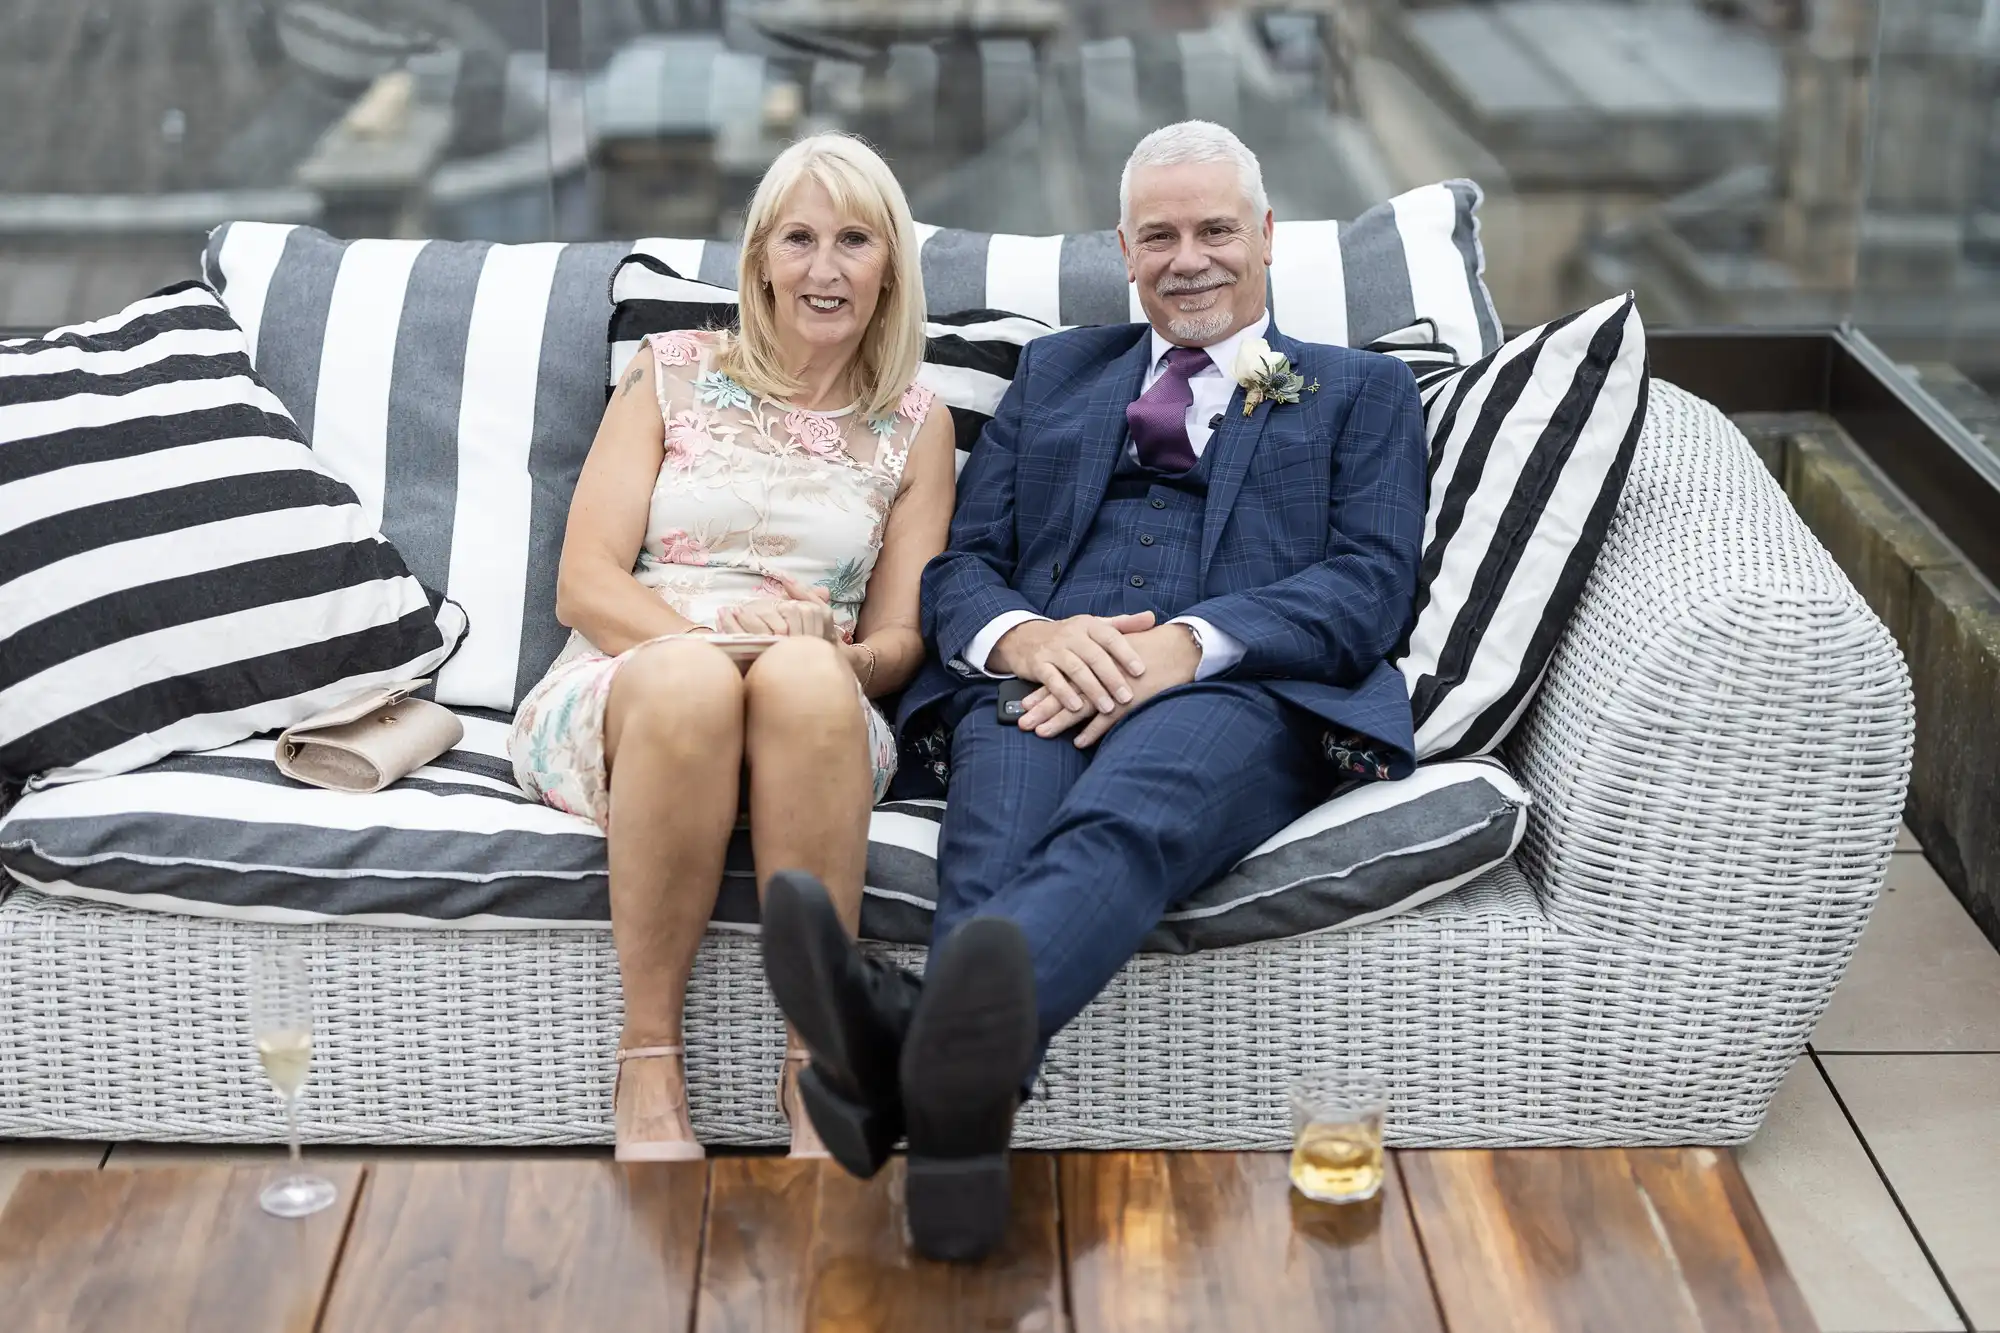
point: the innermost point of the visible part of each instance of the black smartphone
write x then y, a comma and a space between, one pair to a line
1012, 692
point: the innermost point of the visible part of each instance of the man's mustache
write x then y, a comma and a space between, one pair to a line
1199, 282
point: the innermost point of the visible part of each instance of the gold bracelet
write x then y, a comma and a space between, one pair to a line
868, 679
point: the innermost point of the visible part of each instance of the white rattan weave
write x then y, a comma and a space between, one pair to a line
1718, 755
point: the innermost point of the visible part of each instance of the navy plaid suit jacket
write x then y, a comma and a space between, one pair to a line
1310, 533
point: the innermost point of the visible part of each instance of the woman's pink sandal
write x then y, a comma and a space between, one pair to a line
788, 1094
658, 1150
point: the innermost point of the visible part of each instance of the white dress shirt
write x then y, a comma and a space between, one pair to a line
1212, 387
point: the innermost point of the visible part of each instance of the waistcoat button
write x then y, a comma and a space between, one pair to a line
1146, 540
1138, 582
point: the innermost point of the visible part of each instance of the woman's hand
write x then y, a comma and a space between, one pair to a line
804, 612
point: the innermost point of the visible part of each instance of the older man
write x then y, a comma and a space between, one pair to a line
1194, 543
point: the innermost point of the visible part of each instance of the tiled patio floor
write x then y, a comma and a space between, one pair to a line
1879, 1166
1878, 1169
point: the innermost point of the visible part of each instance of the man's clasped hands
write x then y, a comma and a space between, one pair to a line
1093, 670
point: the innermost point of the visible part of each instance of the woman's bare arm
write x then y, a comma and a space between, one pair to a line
919, 522
595, 590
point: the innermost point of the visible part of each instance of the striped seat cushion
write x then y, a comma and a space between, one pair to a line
177, 569
1529, 449
456, 845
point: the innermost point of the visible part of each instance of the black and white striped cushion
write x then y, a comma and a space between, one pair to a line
1344, 283
456, 846
456, 385
177, 569
1529, 449
970, 356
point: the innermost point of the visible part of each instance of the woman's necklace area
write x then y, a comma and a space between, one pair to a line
852, 396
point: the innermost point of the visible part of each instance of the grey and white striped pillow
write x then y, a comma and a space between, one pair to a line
456, 385
1529, 449
456, 846
177, 569
1345, 283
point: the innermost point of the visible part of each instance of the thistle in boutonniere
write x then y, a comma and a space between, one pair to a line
1264, 374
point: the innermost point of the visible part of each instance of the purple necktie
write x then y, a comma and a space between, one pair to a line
1158, 417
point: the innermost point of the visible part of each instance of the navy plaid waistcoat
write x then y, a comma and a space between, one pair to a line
1143, 552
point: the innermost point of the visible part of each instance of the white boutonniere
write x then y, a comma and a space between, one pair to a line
1264, 374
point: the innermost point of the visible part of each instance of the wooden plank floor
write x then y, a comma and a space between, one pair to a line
131, 1250
1200, 1241
534, 1244
1605, 1238
1458, 1242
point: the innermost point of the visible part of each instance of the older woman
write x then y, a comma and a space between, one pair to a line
790, 480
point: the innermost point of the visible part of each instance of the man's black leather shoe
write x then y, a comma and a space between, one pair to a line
970, 1046
851, 1012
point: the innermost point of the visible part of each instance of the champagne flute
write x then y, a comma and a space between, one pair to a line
281, 1026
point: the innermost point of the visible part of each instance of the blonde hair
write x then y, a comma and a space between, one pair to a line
861, 185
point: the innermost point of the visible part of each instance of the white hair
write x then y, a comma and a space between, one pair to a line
1194, 141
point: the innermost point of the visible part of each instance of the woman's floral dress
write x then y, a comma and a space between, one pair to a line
749, 488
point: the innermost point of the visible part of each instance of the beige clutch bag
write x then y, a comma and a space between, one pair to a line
371, 740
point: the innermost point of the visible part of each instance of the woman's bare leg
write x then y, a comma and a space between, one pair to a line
673, 739
811, 785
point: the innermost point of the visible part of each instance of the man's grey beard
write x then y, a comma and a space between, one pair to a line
1199, 328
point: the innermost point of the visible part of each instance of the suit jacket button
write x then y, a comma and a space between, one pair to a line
1055, 570
1158, 503
1146, 540
1138, 582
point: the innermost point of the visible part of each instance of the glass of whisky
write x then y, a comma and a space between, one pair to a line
1337, 1136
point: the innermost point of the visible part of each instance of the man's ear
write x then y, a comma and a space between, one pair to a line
1125, 252
1270, 234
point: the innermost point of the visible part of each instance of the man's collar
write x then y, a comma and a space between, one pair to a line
1223, 354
